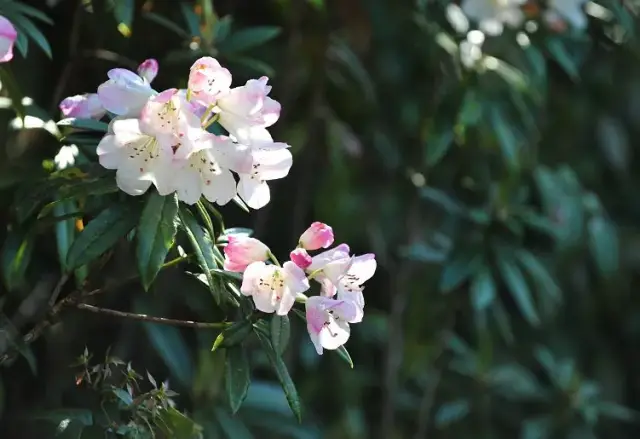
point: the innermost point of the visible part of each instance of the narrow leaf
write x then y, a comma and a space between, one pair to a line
238, 376
280, 331
283, 376
483, 290
156, 234
101, 234
202, 245
233, 335
519, 289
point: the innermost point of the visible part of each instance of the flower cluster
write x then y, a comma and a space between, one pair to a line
276, 288
163, 138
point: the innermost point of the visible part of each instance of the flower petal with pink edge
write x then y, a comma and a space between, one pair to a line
301, 258
8, 35
318, 235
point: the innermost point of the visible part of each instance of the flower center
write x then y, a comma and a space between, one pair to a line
273, 285
205, 166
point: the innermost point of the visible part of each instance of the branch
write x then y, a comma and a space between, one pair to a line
71, 299
152, 319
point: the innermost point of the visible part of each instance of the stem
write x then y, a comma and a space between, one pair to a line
274, 259
205, 115
152, 319
314, 273
210, 121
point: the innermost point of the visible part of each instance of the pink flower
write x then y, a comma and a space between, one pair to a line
85, 106
125, 93
148, 69
247, 111
208, 79
241, 252
328, 322
273, 288
301, 258
8, 37
319, 235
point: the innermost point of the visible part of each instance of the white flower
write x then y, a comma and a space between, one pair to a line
66, 156
270, 162
328, 321
208, 171
246, 111
491, 15
125, 93
138, 156
273, 288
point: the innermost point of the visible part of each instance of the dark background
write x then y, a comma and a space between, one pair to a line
452, 177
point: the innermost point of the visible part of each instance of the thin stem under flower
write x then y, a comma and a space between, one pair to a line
210, 122
273, 259
152, 319
205, 115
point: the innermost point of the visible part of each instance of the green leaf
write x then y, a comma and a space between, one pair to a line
438, 144
518, 287
155, 235
22, 43
202, 245
458, 270
283, 376
25, 25
101, 234
123, 396
167, 24
233, 335
170, 345
507, 139
84, 124
177, 426
248, 38
280, 331
560, 53
344, 354
193, 22
483, 290
65, 230
603, 243
31, 11
451, 412
536, 269
16, 256
536, 428
123, 12
237, 376
13, 89
234, 428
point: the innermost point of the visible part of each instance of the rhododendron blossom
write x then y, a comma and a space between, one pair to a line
274, 288
318, 235
242, 251
301, 258
85, 106
208, 79
328, 322
8, 35
125, 93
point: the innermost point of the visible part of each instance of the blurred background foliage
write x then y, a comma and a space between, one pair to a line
495, 182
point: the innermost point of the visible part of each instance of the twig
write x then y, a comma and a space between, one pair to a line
58, 288
428, 398
152, 319
73, 299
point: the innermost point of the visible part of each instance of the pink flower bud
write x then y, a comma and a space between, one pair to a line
8, 37
319, 235
208, 79
301, 258
242, 251
86, 106
148, 69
